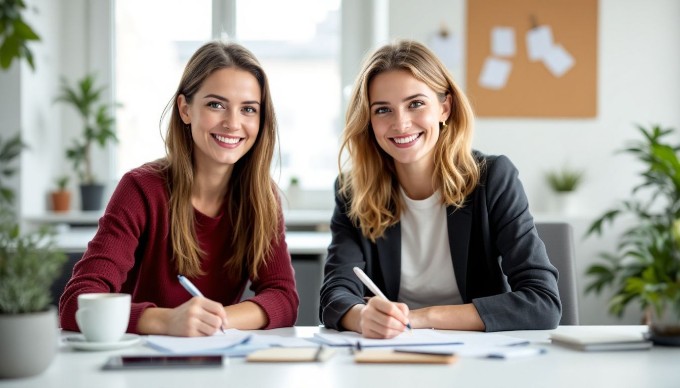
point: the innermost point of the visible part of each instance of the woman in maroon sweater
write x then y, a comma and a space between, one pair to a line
208, 211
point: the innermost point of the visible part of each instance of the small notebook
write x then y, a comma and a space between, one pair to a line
315, 354
601, 340
383, 356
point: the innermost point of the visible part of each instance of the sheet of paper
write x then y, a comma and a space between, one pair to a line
448, 49
558, 60
503, 41
417, 337
495, 73
539, 42
476, 350
280, 341
218, 341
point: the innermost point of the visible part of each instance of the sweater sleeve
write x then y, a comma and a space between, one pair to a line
274, 289
533, 302
111, 254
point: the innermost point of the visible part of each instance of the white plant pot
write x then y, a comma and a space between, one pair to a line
564, 203
29, 343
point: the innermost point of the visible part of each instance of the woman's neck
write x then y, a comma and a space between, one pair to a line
416, 179
209, 190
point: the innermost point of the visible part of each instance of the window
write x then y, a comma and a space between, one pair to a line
151, 52
298, 44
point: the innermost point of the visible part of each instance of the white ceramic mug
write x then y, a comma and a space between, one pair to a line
103, 317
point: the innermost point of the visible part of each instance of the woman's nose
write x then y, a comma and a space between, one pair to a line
402, 121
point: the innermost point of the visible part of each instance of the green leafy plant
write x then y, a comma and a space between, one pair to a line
62, 182
564, 180
646, 265
86, 98
15, 34
29, 263
9, 150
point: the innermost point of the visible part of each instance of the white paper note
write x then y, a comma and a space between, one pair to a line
539, 42
558, 60
495, 73
503, 41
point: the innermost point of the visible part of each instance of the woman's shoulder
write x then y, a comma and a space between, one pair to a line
148, 176
493, 164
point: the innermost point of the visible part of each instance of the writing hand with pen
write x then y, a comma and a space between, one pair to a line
198, 316
379, 318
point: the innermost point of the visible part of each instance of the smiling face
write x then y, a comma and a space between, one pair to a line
224, 116
405, 115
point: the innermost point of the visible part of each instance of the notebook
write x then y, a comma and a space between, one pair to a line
600, 339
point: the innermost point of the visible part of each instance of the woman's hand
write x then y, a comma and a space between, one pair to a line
381, 318
196, 317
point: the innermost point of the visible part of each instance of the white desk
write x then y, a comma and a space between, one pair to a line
559, 367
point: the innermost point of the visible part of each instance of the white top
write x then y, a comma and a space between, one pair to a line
427, 277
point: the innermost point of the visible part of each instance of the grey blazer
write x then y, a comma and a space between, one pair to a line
499, 261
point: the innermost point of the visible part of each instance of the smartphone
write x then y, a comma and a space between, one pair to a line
163, 362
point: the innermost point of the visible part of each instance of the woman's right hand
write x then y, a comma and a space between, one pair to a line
380, 318
194, 318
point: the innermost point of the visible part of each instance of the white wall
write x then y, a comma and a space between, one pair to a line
638, 82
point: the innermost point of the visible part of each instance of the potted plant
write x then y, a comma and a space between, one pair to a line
86, 98
645, 268
61, 197
564, 183
29, 263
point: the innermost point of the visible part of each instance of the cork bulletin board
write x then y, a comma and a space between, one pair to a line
532, 58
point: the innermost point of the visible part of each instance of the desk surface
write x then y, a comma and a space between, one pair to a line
559, 367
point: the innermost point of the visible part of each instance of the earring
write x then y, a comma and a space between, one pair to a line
442, 125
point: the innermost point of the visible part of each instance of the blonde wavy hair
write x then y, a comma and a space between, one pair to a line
371, 183
252, 195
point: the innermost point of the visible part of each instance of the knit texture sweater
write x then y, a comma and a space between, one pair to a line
132, 253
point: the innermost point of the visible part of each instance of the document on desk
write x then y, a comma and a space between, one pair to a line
408, 338
424, 337
186, 345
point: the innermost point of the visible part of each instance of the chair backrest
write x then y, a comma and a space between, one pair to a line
558, 238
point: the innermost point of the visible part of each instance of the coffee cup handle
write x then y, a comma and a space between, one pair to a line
79, 317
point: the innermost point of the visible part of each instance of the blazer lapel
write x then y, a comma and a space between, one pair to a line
389, 255
459, 223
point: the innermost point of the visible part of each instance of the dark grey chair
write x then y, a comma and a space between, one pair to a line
559, 242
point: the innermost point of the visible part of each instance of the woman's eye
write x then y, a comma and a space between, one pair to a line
249, 109
416, 104
215, 105
381, 110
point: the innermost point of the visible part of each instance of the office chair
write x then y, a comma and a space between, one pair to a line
558, 238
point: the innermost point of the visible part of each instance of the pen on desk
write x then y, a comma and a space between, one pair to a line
371, 286
191, 289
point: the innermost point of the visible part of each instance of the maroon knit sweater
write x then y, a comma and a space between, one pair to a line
132, 253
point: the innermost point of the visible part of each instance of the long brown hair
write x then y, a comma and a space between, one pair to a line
251, 198
371, 183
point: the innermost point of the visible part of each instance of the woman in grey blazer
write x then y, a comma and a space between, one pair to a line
445, 232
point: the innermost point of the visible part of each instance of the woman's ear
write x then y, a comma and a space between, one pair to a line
446, 108
183, 108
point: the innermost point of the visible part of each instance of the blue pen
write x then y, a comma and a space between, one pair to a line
189, 286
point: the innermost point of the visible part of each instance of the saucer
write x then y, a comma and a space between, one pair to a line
79, 342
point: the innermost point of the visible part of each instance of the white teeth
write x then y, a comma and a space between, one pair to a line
228, 140
404, 140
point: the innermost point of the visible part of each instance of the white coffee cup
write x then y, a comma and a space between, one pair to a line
103, 317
